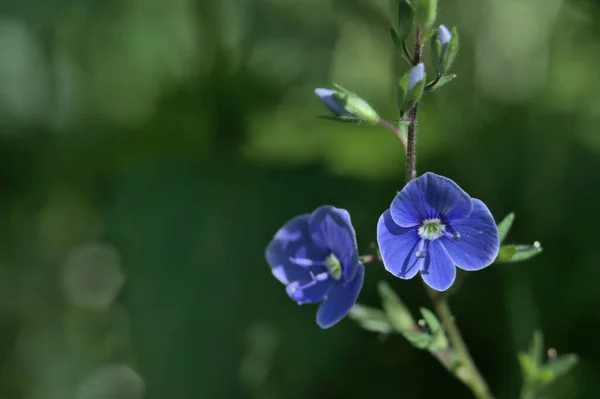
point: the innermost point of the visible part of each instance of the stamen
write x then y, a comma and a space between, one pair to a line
296, 290
305, 262
423, 247
452, 236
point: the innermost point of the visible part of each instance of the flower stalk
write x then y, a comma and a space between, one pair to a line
466, 371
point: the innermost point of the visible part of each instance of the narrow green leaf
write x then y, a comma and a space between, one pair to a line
431, 319
451, 50
557, 367
506, 252
396, 311
505, 225
528, 367
518, 253
402, 18
371, 319
536, 348
417, 339
425, 12
442, 82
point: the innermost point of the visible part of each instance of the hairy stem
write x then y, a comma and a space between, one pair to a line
465, 370
411, 153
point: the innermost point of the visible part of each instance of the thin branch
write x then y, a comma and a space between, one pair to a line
397, 132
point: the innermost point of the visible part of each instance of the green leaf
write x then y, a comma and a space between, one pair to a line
506, 252
371, 319
557, 367
536, 348
402, 85
451, 51
431, 319
505, 225
436, 54
397, 313
439, 340
425, 12
442, 82
518, 253
418, 339
402, 19
528, 367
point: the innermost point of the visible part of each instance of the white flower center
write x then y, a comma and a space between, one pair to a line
432, 229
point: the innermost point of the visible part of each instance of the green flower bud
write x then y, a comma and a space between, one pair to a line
345, 104
411, 87
444, 49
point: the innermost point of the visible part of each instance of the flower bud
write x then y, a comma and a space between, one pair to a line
411, 87
444, 49
347, 105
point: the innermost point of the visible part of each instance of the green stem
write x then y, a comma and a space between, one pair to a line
467, 371
392, 128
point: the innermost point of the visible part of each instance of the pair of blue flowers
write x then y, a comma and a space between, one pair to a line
432, 226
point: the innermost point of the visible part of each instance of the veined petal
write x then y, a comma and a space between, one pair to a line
312, 293
340, 299
398, 246
331, 230
479, 239
438, 270
430, 196
293, 240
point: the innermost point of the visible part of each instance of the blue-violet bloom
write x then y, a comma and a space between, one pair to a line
316, 257
433, 226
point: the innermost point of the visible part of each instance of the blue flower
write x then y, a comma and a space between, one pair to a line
316, 257
433, 226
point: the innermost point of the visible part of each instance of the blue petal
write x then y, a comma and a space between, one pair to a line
312, 294
398, 246
331, 230
293, 240
479, 240
340, 299
430, 196
326, 96
438, 270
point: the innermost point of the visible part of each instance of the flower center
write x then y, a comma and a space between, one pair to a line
432, 229
333, 266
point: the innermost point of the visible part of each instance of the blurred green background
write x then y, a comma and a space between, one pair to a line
150, 149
